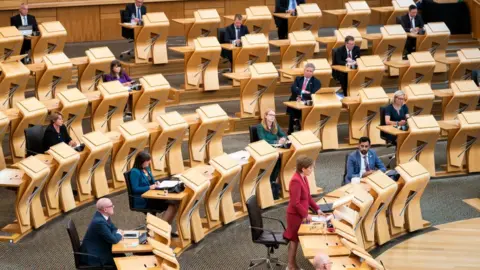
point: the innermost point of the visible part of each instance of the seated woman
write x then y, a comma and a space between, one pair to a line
396, 113
270, 131
117, 74
56, 132
141, 180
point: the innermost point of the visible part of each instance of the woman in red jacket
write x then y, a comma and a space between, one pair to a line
297, 210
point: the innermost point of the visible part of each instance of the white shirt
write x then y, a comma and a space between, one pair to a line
362, 164
24, 20
412, 19
106, 217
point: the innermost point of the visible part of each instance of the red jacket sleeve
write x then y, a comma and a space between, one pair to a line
295, 192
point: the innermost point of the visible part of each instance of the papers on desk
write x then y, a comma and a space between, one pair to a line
26, 30
321, 218
241, 156
167, 184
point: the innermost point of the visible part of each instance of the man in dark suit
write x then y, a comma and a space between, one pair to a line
302, 90
24, 19
101, 235
412, 23
345, 56
233, 33
134, 13
285, 6
362, 162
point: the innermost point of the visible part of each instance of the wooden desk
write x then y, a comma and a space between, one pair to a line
372, 36
129, 25
280, 42
392, 130
297, 105
349, 101
326, 40
398, 64
9, 178
184, 21
448, 60
444, 93
382, 9
328, 244
136, 262
160, 195
449, 125
335, 12
182, 49
343, 69
238, 76
131, 246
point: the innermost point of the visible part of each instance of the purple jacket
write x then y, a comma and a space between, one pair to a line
123, 78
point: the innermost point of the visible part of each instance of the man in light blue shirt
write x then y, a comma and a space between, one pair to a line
285, 6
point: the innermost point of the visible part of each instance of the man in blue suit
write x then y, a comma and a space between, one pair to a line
101, 235
302, 90
362, 162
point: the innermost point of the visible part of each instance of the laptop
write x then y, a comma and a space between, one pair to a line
26, 30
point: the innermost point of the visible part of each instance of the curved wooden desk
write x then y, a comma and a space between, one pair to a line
153, 98
420, 99
203, 24
91, 73
435, 41
11, 41
462, 97
51, 40
13, 81
390, 46
74, 105
108, 114
55, 78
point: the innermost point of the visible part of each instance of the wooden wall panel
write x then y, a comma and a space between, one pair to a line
82, 23
109, 22
40, 1
191, 6
5, 17
173, 10
8, 4
44, 14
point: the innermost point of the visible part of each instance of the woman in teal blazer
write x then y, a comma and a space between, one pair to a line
270, 131
142, 180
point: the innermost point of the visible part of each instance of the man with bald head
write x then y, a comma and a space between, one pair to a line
23, 19
101, 235
322, 262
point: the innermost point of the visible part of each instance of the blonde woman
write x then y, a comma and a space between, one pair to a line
270, 131
396, 114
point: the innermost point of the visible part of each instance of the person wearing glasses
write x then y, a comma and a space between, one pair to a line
101, 235
270, 131
297, 210
396, 113
322, 262
141, 181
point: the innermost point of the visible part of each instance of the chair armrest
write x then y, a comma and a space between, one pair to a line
90, 255
266, 230
281, 222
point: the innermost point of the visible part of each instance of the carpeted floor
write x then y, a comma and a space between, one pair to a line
229, 247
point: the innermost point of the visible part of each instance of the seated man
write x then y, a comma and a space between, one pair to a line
412, 23
233, 33
101, 235
302, 89
321, 261
345, 56
133, 13
362, 162
24, 19
285, 6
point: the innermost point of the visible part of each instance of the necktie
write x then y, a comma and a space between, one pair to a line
237, 33
139, 16
305, 81
24, 19
367, 168
349, 54
413, 22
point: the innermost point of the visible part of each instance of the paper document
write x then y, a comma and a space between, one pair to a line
241, 156
321, 218
167, 184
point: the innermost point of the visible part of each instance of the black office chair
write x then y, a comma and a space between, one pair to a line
34, 140
221, 39
75, 240
270, 239
131, 197
345, 170
398, 20
253, 134
126, 33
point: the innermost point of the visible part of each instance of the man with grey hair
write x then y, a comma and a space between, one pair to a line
101, 235
23, 19
302, 90
322, 262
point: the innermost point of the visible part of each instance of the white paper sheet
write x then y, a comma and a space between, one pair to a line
167, 184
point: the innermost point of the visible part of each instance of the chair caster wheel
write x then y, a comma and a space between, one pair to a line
251, 264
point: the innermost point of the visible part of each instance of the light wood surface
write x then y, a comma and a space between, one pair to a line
474, 202
453, 246
131, 246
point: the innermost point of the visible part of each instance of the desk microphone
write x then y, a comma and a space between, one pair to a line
383, 265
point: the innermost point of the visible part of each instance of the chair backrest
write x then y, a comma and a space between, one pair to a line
74, 239
124, 16
221, 35
129, 190
383, 135
253, 133
34, 140
398, 20
255, 217
334, 53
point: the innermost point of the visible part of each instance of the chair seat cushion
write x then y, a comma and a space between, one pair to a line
267, 238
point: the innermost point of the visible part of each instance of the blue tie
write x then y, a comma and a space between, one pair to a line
138, 14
